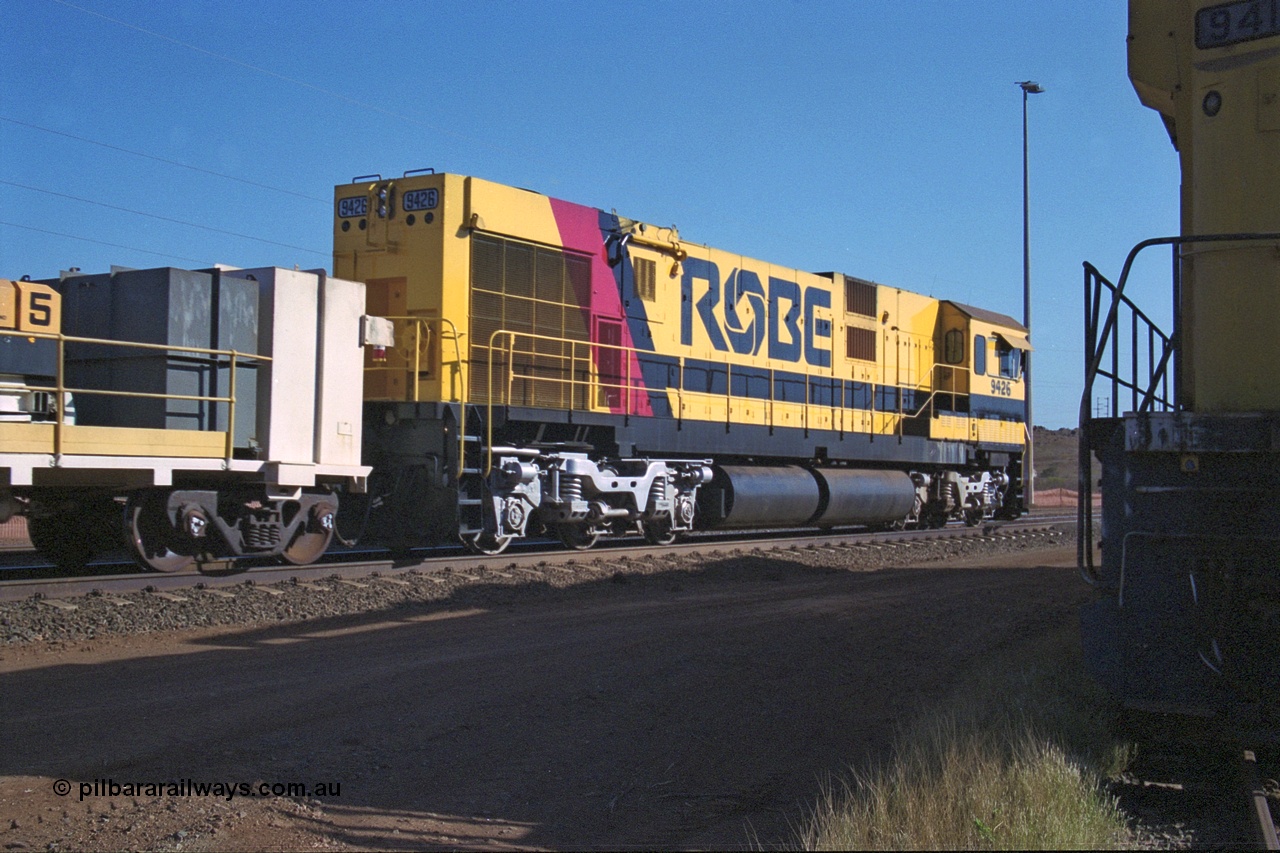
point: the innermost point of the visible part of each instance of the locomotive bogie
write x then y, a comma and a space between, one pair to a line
171, 530
565, 492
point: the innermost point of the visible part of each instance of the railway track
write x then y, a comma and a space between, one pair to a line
1192, 786
1262, 823
353, 566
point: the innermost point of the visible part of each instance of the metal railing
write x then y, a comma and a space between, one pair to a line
1151, 392
570, 374
1161, 365
421, 335
576, 375
60, 389
950, 371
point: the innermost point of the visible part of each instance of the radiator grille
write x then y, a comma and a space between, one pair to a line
646, 278
859, 297
520, 287
860, 343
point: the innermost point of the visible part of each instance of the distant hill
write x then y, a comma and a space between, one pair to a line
1057, 458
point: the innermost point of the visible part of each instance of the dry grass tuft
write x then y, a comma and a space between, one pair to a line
1016, 761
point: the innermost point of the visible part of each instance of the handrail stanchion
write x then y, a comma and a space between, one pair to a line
807, 399
417, 358
773, 400
231, 410
728, 394
680, 391
60, 385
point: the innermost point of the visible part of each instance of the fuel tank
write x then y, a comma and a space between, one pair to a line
864, 497
788, 496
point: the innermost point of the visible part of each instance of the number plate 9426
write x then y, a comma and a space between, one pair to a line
421, 199
354, 206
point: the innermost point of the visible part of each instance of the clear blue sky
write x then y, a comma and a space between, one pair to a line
882, 139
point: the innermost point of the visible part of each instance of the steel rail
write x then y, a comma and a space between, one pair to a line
227, 575
1264, 826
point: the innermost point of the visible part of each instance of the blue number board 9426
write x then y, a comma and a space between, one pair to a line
353, 206
421, 199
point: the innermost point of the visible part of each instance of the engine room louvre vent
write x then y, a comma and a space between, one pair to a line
532, 291
859, 298
646, 279
860, 343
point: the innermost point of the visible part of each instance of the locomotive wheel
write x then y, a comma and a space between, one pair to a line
71, 537
485, 542
579, 537
934, 519
312, 541
58, 538
153, 538
307, 547
658, 532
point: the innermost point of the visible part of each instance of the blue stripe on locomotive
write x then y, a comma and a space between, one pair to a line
635, 314
662, 372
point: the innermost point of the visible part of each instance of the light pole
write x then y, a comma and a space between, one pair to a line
1028, 87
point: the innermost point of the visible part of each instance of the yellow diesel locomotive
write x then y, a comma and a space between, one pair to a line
559, 368
1187, 613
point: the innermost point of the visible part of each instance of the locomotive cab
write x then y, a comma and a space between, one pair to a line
981, 355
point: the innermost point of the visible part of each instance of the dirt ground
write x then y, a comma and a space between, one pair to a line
690, 710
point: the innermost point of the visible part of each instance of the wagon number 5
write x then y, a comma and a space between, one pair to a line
1001, 387
26, 306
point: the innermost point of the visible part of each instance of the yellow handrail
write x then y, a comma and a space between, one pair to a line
422, 331
507, 345
60, 389
928, 401
592, 385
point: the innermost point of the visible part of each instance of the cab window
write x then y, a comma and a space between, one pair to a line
980, 355
1010, 359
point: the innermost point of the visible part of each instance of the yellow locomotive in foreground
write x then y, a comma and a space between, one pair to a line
530, 367
1187, 613
561, 368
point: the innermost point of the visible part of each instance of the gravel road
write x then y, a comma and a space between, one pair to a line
701, 703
